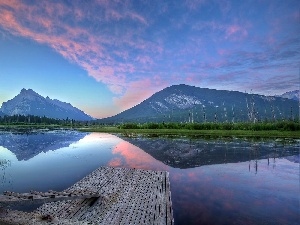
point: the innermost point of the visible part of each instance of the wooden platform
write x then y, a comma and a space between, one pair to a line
124, 196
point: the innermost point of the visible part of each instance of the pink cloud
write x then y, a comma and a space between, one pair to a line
118, 10
236, 32
222, 52
230, 31
138, 91
116, 45
146, 60
137, 17
10, 3
76, 43
158, 81
113, 14
195, 79
190, 78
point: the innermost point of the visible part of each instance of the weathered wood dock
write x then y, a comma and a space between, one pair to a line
106, 196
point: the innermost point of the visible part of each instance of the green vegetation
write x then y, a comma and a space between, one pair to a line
37, 121
262, 126
278, 129
283, 129
195, 133
27, 123
30, 119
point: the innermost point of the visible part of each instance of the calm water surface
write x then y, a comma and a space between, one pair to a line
228, 181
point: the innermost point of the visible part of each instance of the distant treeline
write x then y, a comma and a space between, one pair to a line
279, 125
284, 125
30, 120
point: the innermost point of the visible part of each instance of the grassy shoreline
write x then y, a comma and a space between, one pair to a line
195, 133
162, 132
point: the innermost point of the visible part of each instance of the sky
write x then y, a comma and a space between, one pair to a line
105, 56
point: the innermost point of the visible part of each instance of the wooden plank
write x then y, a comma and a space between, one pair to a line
126, 196
43, 197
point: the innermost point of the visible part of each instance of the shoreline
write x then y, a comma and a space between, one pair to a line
197, 133
160, 132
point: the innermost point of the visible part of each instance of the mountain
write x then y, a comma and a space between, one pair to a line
29, 102
291, 95
2, 114
184, 103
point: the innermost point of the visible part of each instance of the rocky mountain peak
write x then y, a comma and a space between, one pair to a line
184, 103
28, 102
295, 95
27, 92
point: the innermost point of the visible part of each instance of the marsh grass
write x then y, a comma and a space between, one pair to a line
196, 133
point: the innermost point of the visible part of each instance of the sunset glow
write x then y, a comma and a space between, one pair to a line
105, 56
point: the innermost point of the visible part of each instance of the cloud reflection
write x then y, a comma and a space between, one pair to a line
221, 194
134, 157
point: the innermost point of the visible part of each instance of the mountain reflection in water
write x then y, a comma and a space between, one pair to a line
189, 153
54, 161
26, 146
225, 181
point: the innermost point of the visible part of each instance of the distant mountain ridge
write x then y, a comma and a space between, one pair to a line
28, 102
184, 103
294, 95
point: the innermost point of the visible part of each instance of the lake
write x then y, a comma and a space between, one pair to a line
213, 181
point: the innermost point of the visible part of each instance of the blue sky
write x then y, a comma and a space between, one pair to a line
105, 56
